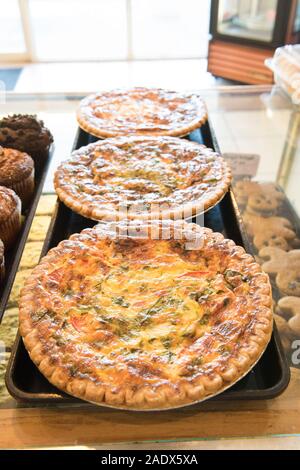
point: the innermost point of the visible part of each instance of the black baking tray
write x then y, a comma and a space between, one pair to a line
267, 379
13, 255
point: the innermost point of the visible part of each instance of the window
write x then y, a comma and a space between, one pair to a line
11, 31
170, 28
77, 30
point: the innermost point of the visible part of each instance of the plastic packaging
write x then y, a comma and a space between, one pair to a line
286, 68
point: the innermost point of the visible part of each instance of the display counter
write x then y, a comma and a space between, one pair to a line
257, 130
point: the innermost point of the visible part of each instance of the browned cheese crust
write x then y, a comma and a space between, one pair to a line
139, 323
164, 175
141, 111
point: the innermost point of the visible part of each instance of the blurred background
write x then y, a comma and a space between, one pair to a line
175, 43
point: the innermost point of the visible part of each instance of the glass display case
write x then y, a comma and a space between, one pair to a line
258, 130
244, 33
260, 22
296, 28
251, 19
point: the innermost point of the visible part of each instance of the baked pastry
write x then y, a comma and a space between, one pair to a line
294, 324
31, 254
283, 326
9, 327
285, 266
19, 281
243, 189
289, 307
146, 316
10, 216
129, 177
143, 111
269, 231
26, 133
285, 65
4, 395
39, 228
262, 204
17, 173
2, 265
260, 198
46, 204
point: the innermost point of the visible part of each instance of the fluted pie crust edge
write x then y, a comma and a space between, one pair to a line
145, 398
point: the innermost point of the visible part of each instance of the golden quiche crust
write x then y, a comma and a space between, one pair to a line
138, 323
144, 111
165, 176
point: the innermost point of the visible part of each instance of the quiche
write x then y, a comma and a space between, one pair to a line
130, 177
140, 110
146, 316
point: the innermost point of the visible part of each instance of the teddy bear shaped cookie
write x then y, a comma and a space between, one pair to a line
289, 307
285, 266
260, 198
266, 201
269, 231
244, 188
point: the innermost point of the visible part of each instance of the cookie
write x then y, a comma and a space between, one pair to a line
9, 327
285, 266
266, 201
244, 188
4, 395
18, 284
294, 324
262, 203
289, 306
39, 228
286, 344
283, 326
269, 231
31, 254
261, 198
295, 243
46, 204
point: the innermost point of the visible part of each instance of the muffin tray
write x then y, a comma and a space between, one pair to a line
267, 379
13, 255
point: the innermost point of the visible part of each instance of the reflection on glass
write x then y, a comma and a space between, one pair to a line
251, 19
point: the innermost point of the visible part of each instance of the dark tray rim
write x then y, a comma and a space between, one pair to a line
17, 250
228, 395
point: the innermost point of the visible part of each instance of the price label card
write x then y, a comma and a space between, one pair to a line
242, 164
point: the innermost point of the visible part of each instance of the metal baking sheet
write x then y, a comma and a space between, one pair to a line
13, 255
27, 384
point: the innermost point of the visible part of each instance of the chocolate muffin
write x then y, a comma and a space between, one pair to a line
2, 272
10, 216
26, 133
17, 173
